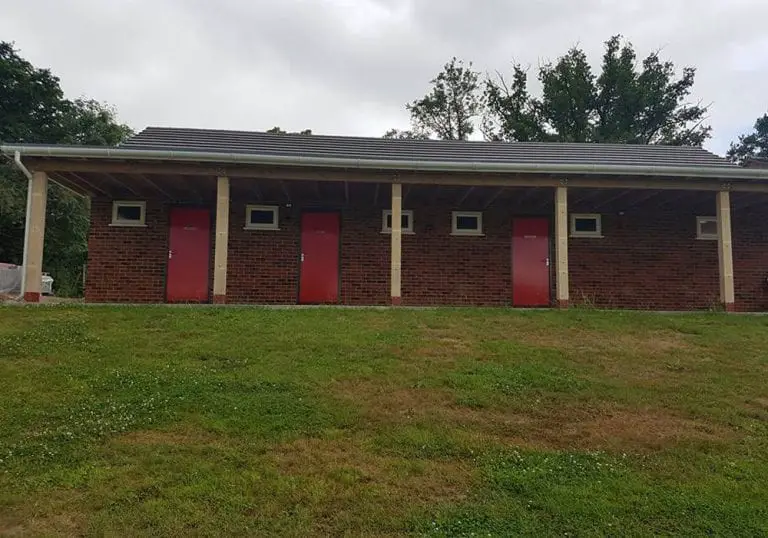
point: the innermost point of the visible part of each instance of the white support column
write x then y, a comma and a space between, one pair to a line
221, 247
561, 246
725, 250
33, 270
397, 240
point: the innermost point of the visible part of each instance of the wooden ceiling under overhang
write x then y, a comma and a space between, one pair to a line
187, 182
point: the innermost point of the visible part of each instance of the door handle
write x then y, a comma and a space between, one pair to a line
302, 257
170, 254
546, 260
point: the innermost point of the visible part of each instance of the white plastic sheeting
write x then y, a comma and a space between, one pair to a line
10, 279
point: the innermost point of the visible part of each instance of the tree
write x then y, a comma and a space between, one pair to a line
397, 134
510, 112
623, 104
32, 107
449, 109
91, 123
753, 145
277, 130
617, 98
33, 110
567, 105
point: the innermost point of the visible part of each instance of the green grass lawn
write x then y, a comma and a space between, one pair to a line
456, 422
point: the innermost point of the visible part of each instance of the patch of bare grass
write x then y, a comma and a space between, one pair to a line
549, 425
185, 437
626, 430
356, 472
385, 402
55, 515
440, 347
578, 339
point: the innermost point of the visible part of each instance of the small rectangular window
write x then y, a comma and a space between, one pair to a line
586, 225
467, 223
406, 221
706, 228
261, 217
125, 213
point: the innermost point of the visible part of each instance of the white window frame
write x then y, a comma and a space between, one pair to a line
597, 217
702, 236
388, 230
275, 212
116, 221
476, 214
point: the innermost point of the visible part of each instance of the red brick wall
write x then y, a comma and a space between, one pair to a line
263, 265
648, 259
750, 260
365, 259
127, 265
441, 269
437, 268
651, 259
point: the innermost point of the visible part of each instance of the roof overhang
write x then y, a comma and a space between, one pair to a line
120, 154
115, 160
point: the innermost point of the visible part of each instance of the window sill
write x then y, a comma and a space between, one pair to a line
706, 238
585, 236
404, 232
126, 225
259, 229
467, 234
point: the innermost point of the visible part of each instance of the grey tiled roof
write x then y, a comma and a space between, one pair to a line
347, 147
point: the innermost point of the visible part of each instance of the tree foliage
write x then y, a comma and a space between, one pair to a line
623, 103
511, 113
94, 124
408, 134
567, 104
33, 109
449, 109
277, 130
753, 145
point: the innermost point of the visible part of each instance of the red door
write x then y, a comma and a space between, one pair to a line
189, 251
319, 258
530, 262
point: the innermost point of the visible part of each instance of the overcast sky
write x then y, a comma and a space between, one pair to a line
349, 66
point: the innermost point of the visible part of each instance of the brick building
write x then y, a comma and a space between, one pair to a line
184, 215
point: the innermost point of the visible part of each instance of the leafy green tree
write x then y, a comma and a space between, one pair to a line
449, 109
753, 145
32, 107
617, 98
12, 214
33, 110
625, 103
277, 130
511, 114
567, 105
397, 134
91, 123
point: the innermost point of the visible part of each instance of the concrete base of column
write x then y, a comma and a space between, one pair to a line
31, 297
219, 299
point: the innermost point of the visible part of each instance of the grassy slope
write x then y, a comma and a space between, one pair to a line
370, 422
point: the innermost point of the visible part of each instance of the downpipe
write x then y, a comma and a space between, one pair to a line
26, 172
